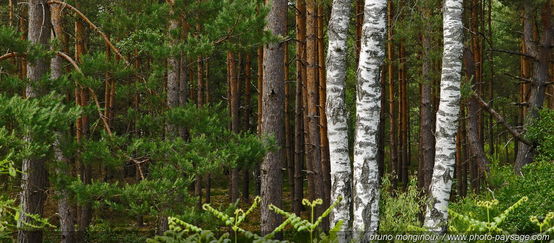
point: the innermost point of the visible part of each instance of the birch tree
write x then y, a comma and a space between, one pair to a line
368, 108
447, 117
337, 126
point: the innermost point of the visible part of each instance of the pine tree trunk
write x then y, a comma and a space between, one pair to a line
34, 179
273, 117
391, 112
85, 214
299, 147
426, 111
323, 139
337, 119
246, 121
541, 52
199, 103
447, 117
234, 99
404, 148
259, 85
368, 108
65, 209
289, 153
314, 149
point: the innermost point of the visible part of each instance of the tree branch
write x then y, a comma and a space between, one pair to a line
501, 120
8, 55
93, 26
94, 97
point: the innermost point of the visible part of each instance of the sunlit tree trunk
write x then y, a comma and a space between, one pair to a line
368, 108
436, 215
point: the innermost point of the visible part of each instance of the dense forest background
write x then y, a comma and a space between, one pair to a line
120, 120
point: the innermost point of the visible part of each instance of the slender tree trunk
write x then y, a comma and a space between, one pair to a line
426, 111
314, 149
541, 53
65, 209
260, 70
299, 143
234, 99
368, 108
289, 152
390, 77
460, 162
85, 214
323, 139
404, 162
34, 180
447, 117
199, 103
337, 119
492, 145
172, 99
246, 121
273, 116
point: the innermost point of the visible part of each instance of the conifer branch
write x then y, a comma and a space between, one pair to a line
93, 26
8, 55
94, 97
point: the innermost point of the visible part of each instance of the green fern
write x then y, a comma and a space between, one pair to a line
304, 225
489, 226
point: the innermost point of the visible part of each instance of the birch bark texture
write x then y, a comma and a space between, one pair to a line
436, 215
337, 125
368, 108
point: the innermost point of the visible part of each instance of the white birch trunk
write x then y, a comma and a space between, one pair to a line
337, 127
368, 108
447, 118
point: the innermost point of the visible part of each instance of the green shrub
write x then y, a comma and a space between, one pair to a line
536, 184
400, 210
541, 131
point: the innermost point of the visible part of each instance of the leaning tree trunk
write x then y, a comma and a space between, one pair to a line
34, 177
540, 53
273, 116
368, 108
337, 122
447, 117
